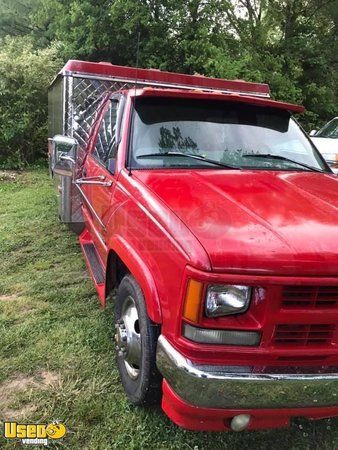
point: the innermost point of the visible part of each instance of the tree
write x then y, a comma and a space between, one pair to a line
15, 17
25, 74
289, 44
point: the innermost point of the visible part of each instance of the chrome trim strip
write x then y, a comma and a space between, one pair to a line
90, 206
221, 387
64, 105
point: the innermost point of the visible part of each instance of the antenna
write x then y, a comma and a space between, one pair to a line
134, 102
137, 56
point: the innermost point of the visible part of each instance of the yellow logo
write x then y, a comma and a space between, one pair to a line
56, 430
32, 433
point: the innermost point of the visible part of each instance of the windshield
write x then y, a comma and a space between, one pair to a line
330, 130
225, 132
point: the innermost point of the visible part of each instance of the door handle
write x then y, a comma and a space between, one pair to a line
96, 180
67, 158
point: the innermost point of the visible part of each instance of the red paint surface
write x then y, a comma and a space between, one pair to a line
158, 76
255, 221
267, 229
208, 419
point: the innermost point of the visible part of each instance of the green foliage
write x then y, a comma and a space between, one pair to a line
25, 74
290, 44
15, 17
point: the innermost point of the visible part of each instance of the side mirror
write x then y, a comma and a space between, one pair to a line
64, 155
313, 132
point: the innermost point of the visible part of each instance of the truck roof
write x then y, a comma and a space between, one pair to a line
155, 77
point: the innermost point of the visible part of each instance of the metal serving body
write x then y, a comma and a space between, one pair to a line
222, 387
77, 91
74, 101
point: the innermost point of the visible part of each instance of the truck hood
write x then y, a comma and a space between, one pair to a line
256, 221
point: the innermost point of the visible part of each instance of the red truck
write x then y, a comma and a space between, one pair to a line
204, 203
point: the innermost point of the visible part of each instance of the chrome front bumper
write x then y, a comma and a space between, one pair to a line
221, 387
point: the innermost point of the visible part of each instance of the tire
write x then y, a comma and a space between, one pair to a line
136, 339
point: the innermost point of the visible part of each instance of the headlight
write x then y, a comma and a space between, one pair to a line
222, 300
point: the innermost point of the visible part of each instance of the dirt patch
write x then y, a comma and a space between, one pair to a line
49, 378
15, 414
20, 382
10, 389
9, 297
8, 175
25, 309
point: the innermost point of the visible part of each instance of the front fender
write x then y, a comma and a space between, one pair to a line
137, 267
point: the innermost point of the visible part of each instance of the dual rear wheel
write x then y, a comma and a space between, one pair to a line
135, 340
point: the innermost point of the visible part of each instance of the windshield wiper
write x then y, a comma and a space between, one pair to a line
282, 158
189, 155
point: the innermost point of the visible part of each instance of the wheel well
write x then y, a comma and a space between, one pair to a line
116, 270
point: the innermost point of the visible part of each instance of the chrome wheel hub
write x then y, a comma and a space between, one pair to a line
128, 338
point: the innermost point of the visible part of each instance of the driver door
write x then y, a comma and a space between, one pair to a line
99, 178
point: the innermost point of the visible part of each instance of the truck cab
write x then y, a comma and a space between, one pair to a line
203, 204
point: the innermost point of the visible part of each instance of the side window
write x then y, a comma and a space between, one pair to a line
105, 147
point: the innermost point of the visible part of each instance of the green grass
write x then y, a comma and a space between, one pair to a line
56, 352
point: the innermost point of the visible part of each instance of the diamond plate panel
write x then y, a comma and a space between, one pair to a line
84, 98
81, 99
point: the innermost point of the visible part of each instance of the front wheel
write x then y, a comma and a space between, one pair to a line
136, 339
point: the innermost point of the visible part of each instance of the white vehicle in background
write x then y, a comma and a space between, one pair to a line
326, 141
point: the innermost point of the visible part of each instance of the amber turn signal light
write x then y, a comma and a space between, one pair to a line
193, 300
